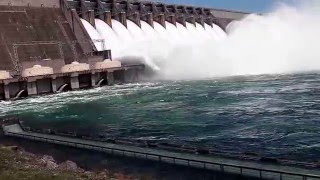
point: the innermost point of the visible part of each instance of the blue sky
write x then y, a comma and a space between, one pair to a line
241, 5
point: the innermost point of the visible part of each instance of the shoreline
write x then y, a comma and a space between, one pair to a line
16, 163
118, 167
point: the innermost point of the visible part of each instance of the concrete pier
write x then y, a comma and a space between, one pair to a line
74, 81
93, 80
6, 91
51, 83
54, 85
219, 164
110, 78
32, 88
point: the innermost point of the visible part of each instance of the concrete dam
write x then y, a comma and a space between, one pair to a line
54, 46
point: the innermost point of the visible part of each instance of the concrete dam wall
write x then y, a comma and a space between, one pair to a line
31, 34
45, 47
151, 11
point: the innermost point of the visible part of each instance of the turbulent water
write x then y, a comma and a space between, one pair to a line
275, 116
284, 40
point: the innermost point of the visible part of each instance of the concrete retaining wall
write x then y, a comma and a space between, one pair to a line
32, 3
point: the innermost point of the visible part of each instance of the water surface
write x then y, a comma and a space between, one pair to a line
274, 116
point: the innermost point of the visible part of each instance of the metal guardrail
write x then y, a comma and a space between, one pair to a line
162, 158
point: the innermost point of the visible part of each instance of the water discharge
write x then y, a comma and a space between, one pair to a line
283, 41
94, 35
111, 40
273, 116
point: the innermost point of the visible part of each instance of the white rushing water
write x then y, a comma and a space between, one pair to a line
283, 41
94, 35
110, 39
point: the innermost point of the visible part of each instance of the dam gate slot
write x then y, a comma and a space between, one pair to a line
84, 81
44, 86
119, 76
2, 93
18, 87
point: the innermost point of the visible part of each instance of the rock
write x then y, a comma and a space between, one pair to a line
13, 148
69, 166
51, 165
31, 155
121, 176
86, 175
103, 175
47, 158
49, 162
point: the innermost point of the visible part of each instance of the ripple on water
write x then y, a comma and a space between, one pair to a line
267, 115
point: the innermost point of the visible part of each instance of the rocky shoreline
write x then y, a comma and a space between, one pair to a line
15, 163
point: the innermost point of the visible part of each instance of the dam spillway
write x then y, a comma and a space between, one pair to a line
49, 47
69, 45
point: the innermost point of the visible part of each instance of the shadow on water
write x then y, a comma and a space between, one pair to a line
95, 161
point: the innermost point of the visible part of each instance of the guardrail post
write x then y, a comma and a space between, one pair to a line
260, 173
241, 171
221, 168
280, 176
304, 178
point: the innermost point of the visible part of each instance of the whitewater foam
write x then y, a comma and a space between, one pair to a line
56, 102
283, 41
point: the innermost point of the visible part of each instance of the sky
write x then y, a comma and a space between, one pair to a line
259, 6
